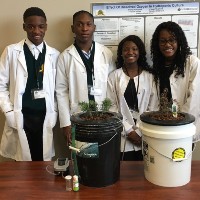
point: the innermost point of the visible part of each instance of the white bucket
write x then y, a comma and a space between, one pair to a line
167, 152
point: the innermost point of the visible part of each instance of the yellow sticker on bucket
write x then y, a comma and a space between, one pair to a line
178, 153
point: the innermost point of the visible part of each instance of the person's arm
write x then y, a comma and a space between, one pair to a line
68, 134
135, 137
5, 103
193, 94
62, 94
112, 65
111, 93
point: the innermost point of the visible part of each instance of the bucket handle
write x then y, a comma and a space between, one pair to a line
109, 139
174, 160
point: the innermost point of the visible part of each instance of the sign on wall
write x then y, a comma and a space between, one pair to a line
114, 21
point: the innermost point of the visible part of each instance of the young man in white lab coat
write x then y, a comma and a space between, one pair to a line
82, 70
27, 83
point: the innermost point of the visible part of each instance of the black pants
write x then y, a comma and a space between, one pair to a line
33, 127
132, 156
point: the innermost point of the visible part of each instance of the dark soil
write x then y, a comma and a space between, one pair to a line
96, 116
166, 116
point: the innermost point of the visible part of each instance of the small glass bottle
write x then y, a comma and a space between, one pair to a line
68, 179
75, 183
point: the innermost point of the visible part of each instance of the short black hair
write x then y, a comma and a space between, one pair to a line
34, 11
82, 12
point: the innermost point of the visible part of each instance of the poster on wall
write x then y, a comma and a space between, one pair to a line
114, 21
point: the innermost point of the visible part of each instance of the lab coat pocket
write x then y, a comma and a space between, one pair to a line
143, 99
10, 119
51, 119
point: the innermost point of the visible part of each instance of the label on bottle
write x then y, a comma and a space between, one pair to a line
75, 183
75, 186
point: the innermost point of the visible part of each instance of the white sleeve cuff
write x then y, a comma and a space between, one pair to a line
128, 131
138, 132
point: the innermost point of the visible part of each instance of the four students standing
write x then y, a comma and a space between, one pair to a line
31, 72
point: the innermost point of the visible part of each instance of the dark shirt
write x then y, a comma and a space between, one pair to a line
130, 95
30, 105
89, 65
165, 82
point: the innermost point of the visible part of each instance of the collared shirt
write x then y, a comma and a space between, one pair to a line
88, 54
36, 50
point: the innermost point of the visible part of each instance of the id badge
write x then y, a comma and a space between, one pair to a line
95, 91
38, 93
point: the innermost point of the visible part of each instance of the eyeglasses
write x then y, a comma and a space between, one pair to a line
171, 41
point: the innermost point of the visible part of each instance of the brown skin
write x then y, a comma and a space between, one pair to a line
83, 28
130, 54
168, 50
35, 27
135, 138
67, 132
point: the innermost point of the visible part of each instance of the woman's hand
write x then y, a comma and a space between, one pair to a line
135, 138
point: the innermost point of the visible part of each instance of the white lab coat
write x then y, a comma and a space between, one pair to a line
13, 79
147, 100
71, 80
186, 91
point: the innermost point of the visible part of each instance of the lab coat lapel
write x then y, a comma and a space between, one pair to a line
125, 110
173, 85
22, 60
21, 57
76, 55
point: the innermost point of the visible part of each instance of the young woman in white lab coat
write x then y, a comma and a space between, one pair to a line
176, 69
132, 91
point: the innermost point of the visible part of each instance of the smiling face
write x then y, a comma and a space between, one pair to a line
130, 52
83, 27
168, 45
35, 27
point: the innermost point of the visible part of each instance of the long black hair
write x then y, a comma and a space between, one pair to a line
183, 50
142, 60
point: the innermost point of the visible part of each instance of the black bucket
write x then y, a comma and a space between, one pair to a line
103, 170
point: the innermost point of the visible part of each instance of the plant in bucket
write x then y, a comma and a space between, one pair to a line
167, 144
98, 137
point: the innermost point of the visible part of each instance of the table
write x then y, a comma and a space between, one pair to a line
31, 180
